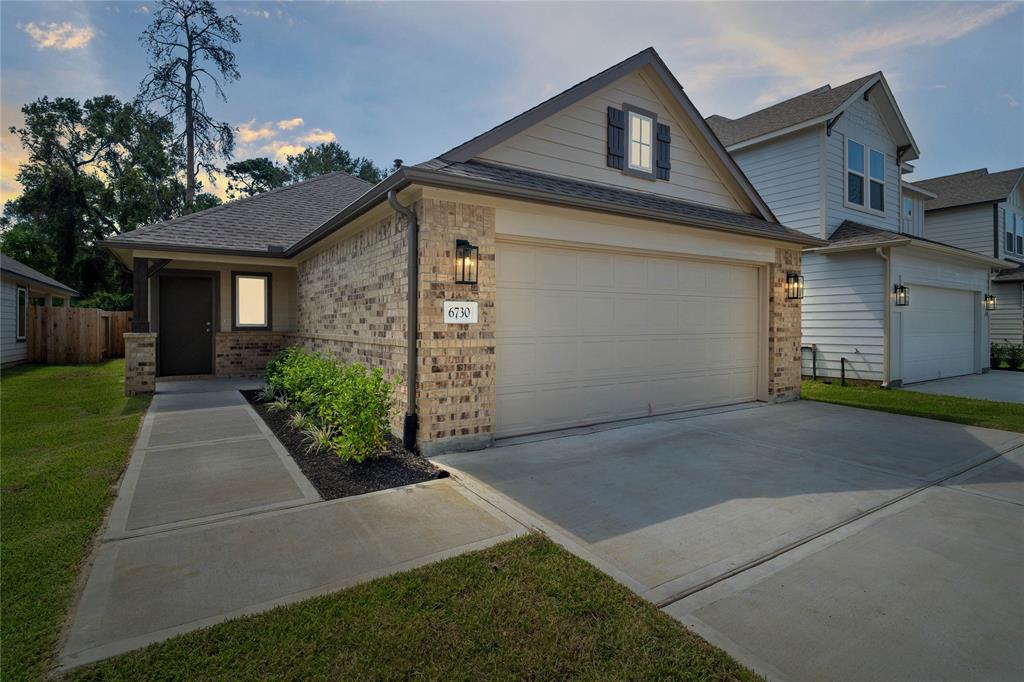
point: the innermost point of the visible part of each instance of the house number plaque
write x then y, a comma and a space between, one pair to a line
460, 312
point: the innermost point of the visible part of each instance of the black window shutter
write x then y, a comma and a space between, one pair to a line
616, 137
664, 164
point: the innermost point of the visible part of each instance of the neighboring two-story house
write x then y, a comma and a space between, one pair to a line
984, 212
881, 301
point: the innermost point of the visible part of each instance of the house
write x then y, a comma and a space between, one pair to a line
20, 287
984, 212
597, 257
882, 302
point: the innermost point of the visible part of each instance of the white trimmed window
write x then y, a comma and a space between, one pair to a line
865, 177
22, 332
252, 301
1008, 225
1019, 220
641, 144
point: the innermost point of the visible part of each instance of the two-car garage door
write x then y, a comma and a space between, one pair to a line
585, 336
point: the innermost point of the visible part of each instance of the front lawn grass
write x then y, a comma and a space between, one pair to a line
987, 413
66, 434
524, 609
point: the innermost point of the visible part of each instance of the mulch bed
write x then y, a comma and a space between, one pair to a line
332, 476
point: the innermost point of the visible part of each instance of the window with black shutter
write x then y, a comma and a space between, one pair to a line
616, 137
664, 152
637, 144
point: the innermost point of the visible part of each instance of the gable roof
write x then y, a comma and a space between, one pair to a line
13, 267
262, 224
970, 187
851, 235
810, 108
647, 57
1011, 275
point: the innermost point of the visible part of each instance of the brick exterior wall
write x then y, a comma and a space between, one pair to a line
351, 302
456, 394
243, 353
139, 363
784, 335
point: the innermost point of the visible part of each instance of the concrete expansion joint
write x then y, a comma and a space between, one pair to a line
198, 443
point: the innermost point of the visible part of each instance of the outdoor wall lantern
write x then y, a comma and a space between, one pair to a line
901, 295
990, 302
467, 259
794, 285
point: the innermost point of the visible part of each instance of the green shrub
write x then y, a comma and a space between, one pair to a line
346, 408
998, 354
1015, 355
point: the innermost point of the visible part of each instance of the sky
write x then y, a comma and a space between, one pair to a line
412, 80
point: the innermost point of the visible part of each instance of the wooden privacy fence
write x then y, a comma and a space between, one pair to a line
68, 335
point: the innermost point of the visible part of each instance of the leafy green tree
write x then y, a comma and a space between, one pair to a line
94, 169
188, 44
329, 158
252, 176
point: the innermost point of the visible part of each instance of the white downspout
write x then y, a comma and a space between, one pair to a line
883, 253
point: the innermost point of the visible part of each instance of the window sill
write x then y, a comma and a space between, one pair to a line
863, 209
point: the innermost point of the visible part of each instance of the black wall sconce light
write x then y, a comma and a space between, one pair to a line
900, 295
990, 302
467, 261
794, 285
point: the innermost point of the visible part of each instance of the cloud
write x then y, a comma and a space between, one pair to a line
318, 136
1011, 101
141, 9
290, 123
248, 133
282, 150
260, 13
65, 36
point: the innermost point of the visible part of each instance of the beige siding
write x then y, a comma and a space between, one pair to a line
966, 227
573, 143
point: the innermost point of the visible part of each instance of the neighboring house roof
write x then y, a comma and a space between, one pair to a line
810, 108
970, 187
566, 98
9, 266
917, 189
1012, 275
256, 225
852, 235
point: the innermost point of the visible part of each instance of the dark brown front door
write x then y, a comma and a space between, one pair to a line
186, 325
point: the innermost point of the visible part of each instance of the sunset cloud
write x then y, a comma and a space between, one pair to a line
318, 136
290, 123
280, 150
65, 36
248, 132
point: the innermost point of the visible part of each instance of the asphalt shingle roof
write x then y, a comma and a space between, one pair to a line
278, 218
969, 187
810, 105
19, 269
1012, 275
850, 233
501, 176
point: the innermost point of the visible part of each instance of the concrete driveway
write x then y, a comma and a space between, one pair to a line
995, 385
214, 520
704, 516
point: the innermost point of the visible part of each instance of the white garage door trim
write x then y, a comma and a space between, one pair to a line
939, 333
692, 316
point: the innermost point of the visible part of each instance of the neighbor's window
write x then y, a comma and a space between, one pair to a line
1008, 226
865, 174
1020, 233
22, 314
640, 142
252, 301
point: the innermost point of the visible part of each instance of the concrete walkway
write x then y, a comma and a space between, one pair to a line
995, 385
214, 520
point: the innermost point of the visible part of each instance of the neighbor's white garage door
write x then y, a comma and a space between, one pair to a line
585, 336
938, 333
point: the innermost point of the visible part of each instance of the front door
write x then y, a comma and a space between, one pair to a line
186, 325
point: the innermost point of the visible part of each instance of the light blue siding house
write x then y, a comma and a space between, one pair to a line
20, 287
984, 212
881, 300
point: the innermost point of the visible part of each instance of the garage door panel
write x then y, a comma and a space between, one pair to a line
938, 333
619, 336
